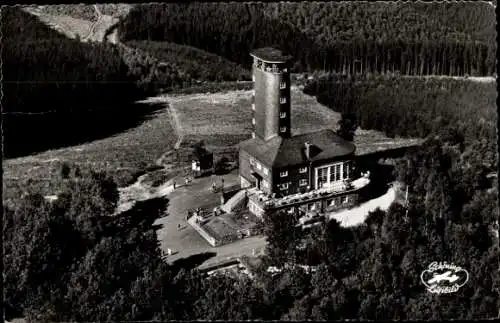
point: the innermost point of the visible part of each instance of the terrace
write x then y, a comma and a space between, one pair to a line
270, 202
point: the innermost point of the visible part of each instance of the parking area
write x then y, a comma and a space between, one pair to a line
176, 234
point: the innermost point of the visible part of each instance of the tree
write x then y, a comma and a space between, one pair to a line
283, 236
347, 126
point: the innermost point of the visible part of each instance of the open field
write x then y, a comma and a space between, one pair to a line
69, 26
224, 119
220, 119
122, 155
86, 21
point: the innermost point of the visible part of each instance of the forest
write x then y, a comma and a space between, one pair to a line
417, 107
70, 92
417, 39
69, 260
63, 90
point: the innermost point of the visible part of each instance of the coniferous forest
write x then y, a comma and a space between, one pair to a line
60, 89
73, 259
345, 37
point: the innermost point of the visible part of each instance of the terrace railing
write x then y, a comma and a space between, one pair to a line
332, 189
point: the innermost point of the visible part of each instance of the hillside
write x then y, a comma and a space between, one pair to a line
195, 63
59, 90
461, 111
452, 38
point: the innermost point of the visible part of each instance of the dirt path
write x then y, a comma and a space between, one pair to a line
174, 119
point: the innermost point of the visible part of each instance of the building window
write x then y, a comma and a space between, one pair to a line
253, 134
283, 129
259, 166
322, 176
303, 170
282, 115
285, 70
253, 78
253, 106
284, 186
284, 173
266, 171
282, 85
335, 173
252, 161
331, 202
345, 199
346, 171
283, 100
338, 172
253, 121
303, 182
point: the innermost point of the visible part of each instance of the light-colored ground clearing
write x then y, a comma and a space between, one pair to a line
220, 119
73, 24
224, 119
66, 25
357, 215
479, 79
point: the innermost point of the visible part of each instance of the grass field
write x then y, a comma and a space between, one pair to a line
222, 120
123, 155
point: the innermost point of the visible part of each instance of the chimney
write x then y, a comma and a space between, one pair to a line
308, 150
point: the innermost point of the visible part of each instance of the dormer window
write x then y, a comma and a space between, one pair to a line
284, 173
282, 115
282, 100
283, 129
303, 170
284, 186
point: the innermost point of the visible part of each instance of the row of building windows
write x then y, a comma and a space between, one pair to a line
269, 67
302, 170
259, 166
332, 173
316, 206
302, 182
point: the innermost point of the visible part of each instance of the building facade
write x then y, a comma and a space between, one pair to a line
307, 172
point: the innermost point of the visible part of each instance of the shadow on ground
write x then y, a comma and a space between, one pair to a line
34, 133
193, 261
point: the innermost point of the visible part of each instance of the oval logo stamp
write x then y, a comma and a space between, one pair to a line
444, 278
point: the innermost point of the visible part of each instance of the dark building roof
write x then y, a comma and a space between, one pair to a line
282, 152
271, 55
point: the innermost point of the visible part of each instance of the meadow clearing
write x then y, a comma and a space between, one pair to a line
221, 120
